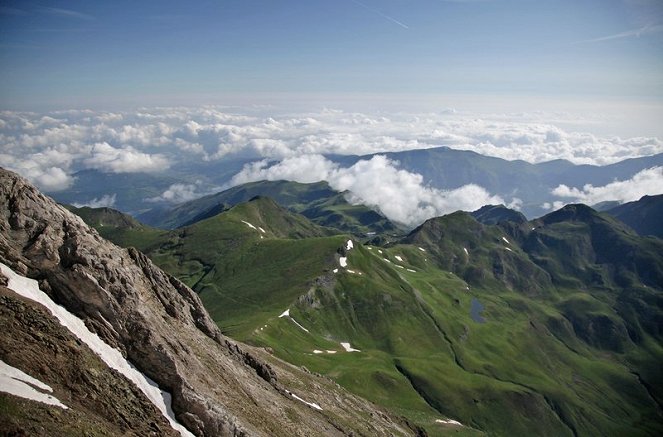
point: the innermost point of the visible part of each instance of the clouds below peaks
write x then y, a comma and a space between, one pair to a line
649, 181
398, 194
50, 148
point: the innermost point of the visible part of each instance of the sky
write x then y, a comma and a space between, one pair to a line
100, 54
144, 86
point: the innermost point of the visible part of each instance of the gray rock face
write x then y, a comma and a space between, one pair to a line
219, 387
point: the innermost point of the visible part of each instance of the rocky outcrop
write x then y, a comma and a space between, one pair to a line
218, 387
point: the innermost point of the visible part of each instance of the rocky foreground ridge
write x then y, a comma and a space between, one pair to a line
218, 387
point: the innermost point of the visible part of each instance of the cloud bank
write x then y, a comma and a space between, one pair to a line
398, 194
107, 200
649, 181
49, 148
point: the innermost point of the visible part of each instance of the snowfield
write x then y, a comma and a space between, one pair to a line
18, 383
29, 288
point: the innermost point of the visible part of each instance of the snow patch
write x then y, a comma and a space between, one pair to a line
379, 251
286, 313
261, 230
249, 225
29, 288
335, 270
350, 271
369, 248
349, 245
466, 252
343, 261
386, 260
422, 249
399, 266
448, 422
508, 249
331, 352
505, 240
399, 258
349, 348
310, 404
410, 270
18, 383
316, 351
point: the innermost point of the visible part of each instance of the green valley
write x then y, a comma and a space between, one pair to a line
548, 327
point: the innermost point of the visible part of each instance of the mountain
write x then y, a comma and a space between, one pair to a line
317, 201
495, 214
93, 332
643, 215
446, 168
441, 167
546, 327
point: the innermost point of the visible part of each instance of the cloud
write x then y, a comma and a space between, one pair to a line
68, 13
178, 193
649, 181
61, 143
633, 33
125, 160
107, 200
398, 194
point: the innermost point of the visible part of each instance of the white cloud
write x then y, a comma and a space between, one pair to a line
51, 147
125, 160
649, 181
178, 193
398, 194
107, 200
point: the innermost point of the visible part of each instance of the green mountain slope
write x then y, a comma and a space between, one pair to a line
317, 201
550, 327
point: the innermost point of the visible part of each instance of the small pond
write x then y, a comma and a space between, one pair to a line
475, 311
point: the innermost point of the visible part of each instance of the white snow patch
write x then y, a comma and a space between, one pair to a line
349, 245
399, 258
286, 313
386, 260
466, 252
316, 351
249, 225
261, 230
331, 352
533, 228
379, 251
508, 249
448, 422
369, 248
410, 270
310, 404
422, 249
505, 240
349, 348
18, 383
335, 270
29, 288
350, 271
343, 261
399, 266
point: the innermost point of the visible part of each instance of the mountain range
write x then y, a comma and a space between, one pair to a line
441, 167
503, 325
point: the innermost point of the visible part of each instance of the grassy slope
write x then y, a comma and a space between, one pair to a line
539, 364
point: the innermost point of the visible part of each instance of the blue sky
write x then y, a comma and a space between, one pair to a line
93, 53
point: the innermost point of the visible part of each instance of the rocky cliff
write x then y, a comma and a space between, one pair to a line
159, 325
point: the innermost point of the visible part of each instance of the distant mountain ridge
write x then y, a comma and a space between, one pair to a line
645, 216
441, 167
